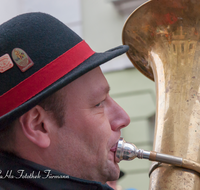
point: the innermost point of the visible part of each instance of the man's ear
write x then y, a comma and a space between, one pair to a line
35, 127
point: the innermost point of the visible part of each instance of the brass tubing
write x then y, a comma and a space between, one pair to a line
168, 159
189, 164
164, 41
128, 151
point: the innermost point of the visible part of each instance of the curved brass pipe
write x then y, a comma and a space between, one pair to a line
164, 41
128, 151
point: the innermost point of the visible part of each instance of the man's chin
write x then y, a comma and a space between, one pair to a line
114, 172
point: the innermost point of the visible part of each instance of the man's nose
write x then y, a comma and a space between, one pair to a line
118, 117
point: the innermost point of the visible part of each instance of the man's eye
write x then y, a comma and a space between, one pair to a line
101, 104
98, 105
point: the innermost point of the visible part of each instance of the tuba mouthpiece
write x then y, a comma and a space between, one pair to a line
128, 151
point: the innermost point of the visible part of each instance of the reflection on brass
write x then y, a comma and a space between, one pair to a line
128, 151
164, 40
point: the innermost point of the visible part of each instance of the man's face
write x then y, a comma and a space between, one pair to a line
85, 146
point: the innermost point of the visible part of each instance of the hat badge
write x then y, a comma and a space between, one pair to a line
22, 60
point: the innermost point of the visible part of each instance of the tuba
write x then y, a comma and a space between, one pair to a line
164, 41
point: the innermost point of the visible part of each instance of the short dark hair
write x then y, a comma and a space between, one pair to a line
7, 136
54, 104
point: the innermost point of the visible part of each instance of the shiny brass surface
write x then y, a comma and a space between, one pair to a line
164, 40
128, 151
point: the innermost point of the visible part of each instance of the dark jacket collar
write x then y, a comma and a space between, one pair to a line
20, 174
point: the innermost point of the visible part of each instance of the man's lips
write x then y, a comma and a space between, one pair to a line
114, 148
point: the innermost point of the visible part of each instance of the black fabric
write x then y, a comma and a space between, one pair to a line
43, 38
17, 174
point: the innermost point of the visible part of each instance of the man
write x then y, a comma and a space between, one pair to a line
59, 126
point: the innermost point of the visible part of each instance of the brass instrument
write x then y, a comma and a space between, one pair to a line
164, 41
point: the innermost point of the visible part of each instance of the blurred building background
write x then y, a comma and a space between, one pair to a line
100, 23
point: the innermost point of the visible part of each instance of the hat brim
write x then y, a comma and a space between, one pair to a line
92, 62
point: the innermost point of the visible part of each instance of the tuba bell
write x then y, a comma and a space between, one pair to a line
164, 41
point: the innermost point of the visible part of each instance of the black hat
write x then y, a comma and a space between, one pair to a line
38, 56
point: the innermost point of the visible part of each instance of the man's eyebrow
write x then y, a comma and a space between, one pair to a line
101, 91
107, 89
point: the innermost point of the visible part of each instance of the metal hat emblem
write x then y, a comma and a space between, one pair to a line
5, 63
22, 60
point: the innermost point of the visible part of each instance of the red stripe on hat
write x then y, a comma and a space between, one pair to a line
44, 77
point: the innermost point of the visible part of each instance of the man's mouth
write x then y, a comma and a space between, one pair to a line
114, 148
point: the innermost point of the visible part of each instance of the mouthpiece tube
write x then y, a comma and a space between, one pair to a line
128, 151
